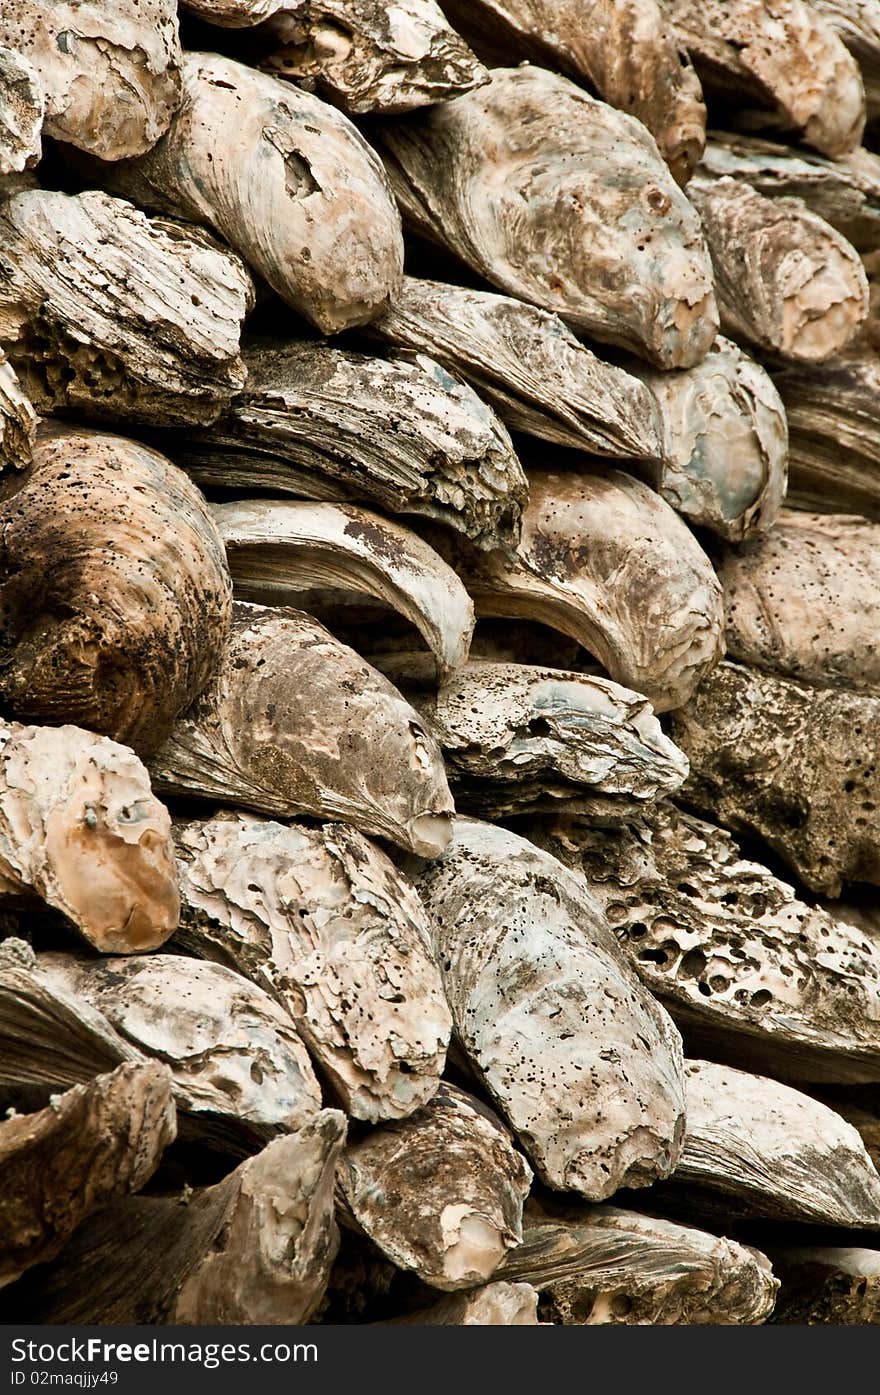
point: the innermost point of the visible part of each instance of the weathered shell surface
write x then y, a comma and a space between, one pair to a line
747, 970
834, 428
578, 1057
774, 1151
600, 1265
328, 423
277, 550
233, 1050
323, 917
254, 1249
81, 829
608, 562
371, 56
18, 420
625, 49
786, 281
564, 202
779, 63
804, 601
110, 73
286, 180
515, 735
21, 112
539, 378
116, 315
115, 596
441, 1193
725, 460
91, 1144
798, 766
296, 723
845, 192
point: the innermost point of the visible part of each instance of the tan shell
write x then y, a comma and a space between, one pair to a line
751, 973
772, 1151
797, 766
609, 563
578, 1058
441, 1193
119, 316
725, 460
598, 1265
81, 829
786, 281
323, 918
296, 723
779, 64
277, 550
368, 55
858, 24
254, 1249
286, 180
563, 202
18, 420
110, 72
96, 1142
327, 423
114, 592
515, 736
523, 360
21, 112
804, 601
234, 1052
625, 49
845, 192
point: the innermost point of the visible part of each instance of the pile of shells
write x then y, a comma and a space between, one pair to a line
440, 661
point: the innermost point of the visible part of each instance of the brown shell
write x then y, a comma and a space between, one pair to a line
833, 415
804, 601
599, 1265
538, 377
562, 201
93, 1143
327, 423
369, 56
786, 281
115, 597
254, 1249
18, 420
777, 64
516, 736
